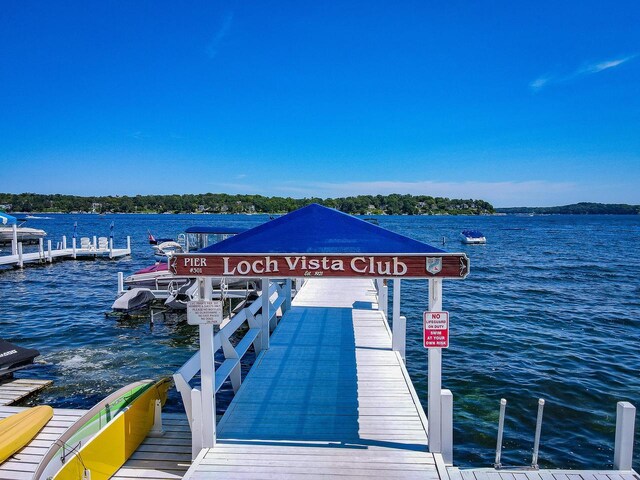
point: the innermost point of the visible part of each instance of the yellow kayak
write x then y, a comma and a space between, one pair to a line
105, 453
17, 430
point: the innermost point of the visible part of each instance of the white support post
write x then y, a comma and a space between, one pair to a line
435, 375
41, 249
50, 259
208, 376
299, 283
196, 423
128, 244
625, 428
286, 306
120, 283
95, 243
110, 247
398, 339
14, 239
157, 430
265, 314
383, 297
73, 247
64, 242
20, 259
447, 426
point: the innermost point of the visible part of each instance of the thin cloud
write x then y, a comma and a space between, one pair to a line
589, 69
214, 45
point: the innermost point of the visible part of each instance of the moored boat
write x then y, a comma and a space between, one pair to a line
472, 237
13, 357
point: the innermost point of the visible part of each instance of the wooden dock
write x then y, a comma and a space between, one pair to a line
161, 458
15, 389
23, 464
329, 397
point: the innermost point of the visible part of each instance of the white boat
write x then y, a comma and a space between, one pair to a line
179, 289
25, 235
472, 237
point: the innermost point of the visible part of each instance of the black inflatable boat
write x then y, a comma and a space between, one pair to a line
13, 357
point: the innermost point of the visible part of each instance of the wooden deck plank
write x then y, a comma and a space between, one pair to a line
15, 389
328, 399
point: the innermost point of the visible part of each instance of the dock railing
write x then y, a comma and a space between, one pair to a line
261, 318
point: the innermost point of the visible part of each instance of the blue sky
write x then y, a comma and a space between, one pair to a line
517, 103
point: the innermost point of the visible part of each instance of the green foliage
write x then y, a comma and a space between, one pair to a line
394, 204
583, 208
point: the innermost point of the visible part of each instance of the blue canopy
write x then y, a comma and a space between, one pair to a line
6, 219
219, 229
318, 229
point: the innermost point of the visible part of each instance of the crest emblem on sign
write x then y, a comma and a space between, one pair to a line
434, 265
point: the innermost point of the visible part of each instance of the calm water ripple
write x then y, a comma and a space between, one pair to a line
551, 309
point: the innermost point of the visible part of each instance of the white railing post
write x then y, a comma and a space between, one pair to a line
196, 422
398, 339
73, 247
64, 242
265, 314
625, 429
14, 240
128, 244
41, 249
383, 297
447, 426
435, 375
120, 283
20, 259
95, 243
207, 376
49, 251
111, 248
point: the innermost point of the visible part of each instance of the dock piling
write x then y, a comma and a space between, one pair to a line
49, 255
536, 441
503, 407
20, 258
41, 249
447, 426
625, 428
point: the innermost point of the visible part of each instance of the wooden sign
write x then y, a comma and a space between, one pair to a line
441, 265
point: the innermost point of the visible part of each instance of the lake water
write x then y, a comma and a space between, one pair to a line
551, 309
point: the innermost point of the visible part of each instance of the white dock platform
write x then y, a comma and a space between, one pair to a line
329, 398
163, 457
48, 256
23, 464
14, 389
551, 474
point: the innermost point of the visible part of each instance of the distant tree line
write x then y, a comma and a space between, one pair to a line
394, 204
583, 208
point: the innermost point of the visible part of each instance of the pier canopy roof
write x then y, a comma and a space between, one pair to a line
6, 219
318, 229
319, 241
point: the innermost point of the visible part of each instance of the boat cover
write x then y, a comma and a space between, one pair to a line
6, 219
472, 233
13, 357
318, 229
